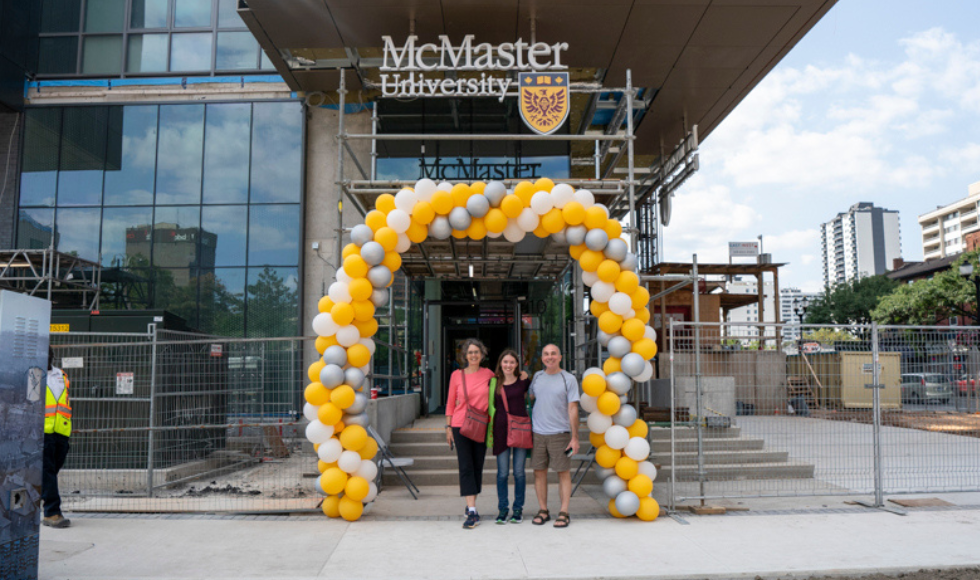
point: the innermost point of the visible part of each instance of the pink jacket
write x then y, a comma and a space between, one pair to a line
478, 389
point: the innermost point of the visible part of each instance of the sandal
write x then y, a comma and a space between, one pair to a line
562, 520
541, 517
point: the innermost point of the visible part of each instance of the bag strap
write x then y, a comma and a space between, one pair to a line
503, 395
466, 396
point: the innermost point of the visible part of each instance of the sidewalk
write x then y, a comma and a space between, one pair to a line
394, 541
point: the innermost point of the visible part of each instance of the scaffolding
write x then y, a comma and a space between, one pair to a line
66, 280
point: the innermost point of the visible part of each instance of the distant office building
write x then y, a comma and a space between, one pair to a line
945, 230
793, 303
750, 313
862, 242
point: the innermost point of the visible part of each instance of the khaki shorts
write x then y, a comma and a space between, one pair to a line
549, 451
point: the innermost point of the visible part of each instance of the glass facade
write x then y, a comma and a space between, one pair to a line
197, 206
121, 38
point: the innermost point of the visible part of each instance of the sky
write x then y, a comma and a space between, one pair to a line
879, 102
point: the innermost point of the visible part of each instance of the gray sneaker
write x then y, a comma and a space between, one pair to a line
58, 521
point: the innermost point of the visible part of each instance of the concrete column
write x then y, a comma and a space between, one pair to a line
11, 127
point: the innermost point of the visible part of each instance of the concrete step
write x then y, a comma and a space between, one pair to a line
724, 457
663, 434
709, 445
729, 472
408, 436
451, 477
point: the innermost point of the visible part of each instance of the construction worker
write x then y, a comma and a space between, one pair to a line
57, 430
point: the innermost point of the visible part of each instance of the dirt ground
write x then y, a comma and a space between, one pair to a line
957, 574
967, 424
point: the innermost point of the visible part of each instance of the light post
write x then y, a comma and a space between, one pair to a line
966, 270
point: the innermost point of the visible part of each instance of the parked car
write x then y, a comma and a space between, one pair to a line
924, 387
965, 385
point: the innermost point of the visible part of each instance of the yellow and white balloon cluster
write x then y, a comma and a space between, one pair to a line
345, 325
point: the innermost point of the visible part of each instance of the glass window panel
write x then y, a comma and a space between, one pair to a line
180, 154
83, 155
34, 228
190, 13
58, 55
227, 224
149, 14
273, 235
61, 15
125, 236
272, 302
222, 306
228, 14
176, 231
175, 289
42, 136
277, 152
147, 53
266, 63
77, 230
226, 152
105, 15
129, 173
236, 50
102, 55
190, 52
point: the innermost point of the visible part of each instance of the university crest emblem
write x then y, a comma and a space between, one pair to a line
544, 100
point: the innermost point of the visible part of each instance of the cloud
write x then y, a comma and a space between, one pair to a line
704, 219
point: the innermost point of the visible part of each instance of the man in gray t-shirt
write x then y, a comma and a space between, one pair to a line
554, 420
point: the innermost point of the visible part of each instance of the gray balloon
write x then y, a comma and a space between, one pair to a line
361, 234
495, 192
618, 383
560, 238
627, 503
379, 276
632, 364
619, 346
613, 486
335, 355
358, 419
440, 228
596, 240
379, 297
623, 399
332, 376
617, 249
625, 416
603, 472
603, 337
373, 253
629, 262
360, 403
478, 205
459, 218
576, 235
353, 377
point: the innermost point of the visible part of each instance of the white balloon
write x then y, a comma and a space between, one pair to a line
369, 343
309, 411
360, 399
348, 336
366, 369
404, 243
604, 338
598, 423
589, 278
319, 486
399, 221
339, 292
445, 186
614, 485
379, 297
584, 197
323, 324
604, 472
368, 469
620, 303
588, 403
528, 220
372, 492
629, 262
342, 275
424, 188
648, 469
602, 291
560, 238
513, 232
647, 373
649, 332
627, 503
405, 201
541, 202
617, 437
317, 432
494, 235
348, 461
561, 194
330, 450
593, 371
638, 449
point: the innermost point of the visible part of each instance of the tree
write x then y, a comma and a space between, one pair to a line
927, 302
828, 336
273, 307
850, 302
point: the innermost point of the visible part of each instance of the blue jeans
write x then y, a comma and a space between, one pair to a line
520, 480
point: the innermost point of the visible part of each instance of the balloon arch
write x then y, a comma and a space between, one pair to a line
336, 400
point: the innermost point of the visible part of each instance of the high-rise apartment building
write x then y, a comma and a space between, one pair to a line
793, 303
864, 241
945, 228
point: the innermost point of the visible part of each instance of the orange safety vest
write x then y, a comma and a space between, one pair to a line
57, 412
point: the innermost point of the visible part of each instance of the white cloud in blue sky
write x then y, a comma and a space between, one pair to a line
880, 102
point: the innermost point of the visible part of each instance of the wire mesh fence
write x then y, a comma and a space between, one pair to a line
834, 410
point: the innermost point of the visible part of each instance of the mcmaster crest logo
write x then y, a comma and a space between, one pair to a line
544, 100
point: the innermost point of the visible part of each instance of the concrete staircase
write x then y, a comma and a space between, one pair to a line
728, 456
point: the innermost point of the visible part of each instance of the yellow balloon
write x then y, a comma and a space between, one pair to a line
553, 222
590, 260
608, 403
606, 456
627, 282
321, 344
328, 341
392, 261
611, 366
322, 466
543, 184
442, 202
608, 271
360, 288
576, 251
329, 413
649, 509
639, 428
353, 438
324, 304
626, 468
597, 439
342, 313
646, 348
375, 220
573, 213
333, 481
512, 206
385, 203
641, 485
541, 232
633, 329
338, 427
613, 510
355, 266
643, 314
417, 232
366, 328
314, 371
640, 297
597, 308
614, 229
460, 193
423, 213
525, 189
356, 488
363, 310
331, 506
358, 355
342, 397
478, 187
350, 250
595, 218
477, 229
316, 394
593, 385
495, 220
388, 240
370, 449
459, 234
350, 509
610, 322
